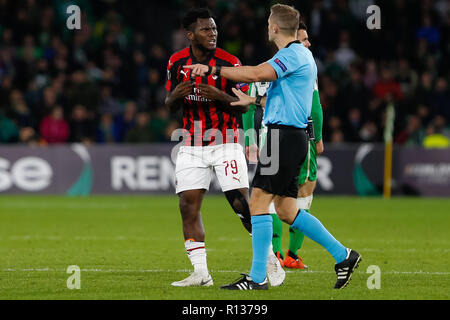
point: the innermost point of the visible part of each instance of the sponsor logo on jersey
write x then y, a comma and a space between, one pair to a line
281, 64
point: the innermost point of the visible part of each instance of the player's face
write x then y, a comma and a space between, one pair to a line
205, 34
302, 36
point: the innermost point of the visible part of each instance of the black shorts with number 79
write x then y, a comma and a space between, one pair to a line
281, 158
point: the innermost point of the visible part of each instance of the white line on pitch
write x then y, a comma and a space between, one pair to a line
219, 271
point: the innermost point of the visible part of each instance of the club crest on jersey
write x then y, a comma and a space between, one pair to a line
281, 64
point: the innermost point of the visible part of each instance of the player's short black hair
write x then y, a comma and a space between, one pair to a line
302, 26
197, 13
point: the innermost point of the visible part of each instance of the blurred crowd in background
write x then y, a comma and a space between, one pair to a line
105, 82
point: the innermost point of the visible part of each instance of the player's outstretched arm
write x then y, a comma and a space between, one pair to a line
263, 72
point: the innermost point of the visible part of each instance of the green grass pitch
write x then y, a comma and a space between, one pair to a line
132, 248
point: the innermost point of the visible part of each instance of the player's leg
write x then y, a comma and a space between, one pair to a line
296, 237
277, 234
238, 200
307, 178
194, 236
305, 195
275, 271
192, 180
230, 166
190, 202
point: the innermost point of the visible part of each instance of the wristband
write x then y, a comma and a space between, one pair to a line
258, 101
218, 69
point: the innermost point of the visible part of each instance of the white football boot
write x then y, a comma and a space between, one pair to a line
196, 279
275, 272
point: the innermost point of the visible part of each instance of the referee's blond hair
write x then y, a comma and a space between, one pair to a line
286, 17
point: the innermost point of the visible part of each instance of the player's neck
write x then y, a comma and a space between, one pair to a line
200, 53
282, 41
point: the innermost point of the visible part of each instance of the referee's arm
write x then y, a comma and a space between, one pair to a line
261, 73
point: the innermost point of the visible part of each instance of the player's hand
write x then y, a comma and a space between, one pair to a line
210, 92
252, 153
319, 147
197, 70
244, 100
182, 90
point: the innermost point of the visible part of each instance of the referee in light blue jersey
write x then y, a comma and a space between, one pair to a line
292, 73
287, 108
289, 98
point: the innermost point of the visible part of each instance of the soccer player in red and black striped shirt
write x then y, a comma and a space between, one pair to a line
203, 99
210, 136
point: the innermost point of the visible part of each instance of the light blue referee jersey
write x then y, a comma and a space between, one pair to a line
289, 98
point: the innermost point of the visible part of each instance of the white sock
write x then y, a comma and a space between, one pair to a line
197, 255
304, 203
272, 208
271, 249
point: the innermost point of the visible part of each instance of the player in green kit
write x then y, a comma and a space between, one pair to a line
308, 172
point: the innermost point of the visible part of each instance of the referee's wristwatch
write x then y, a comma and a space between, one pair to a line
258, 101
218, 69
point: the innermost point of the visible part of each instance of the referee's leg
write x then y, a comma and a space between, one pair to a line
261, 232
311, 227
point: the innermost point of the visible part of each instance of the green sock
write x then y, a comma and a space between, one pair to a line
277, 232
296, 238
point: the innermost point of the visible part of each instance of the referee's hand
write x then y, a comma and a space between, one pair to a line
244, 100
197, 70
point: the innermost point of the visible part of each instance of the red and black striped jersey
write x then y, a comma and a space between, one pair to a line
201, 117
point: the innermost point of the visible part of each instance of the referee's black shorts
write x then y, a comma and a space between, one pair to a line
292, 148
